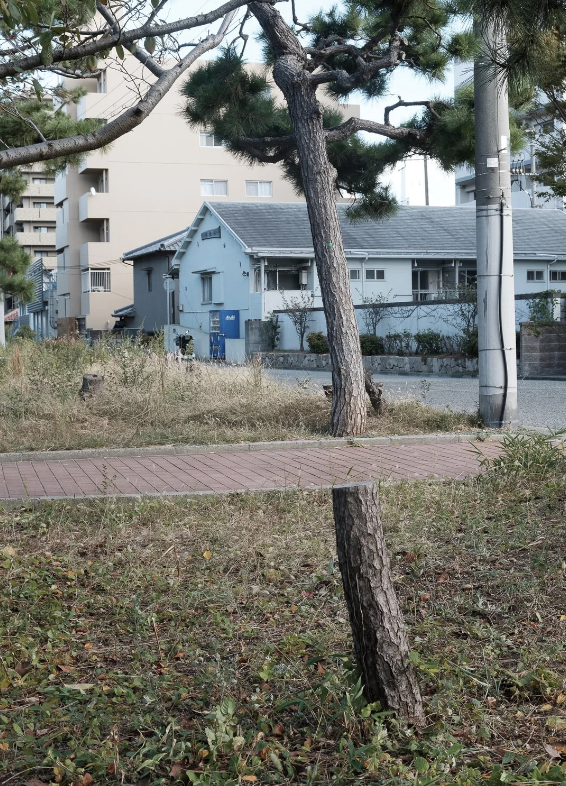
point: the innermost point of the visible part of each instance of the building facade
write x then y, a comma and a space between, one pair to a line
32, 222
242, 262
148, 184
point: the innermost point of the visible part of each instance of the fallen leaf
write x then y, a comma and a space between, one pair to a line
34, 782
68, 669
294, 608
87, 779
176, 770
443, 577
491, 701
88, 646
278, 730
546, 707
552, 752
249, 778
468, 587
561, 698
554, 722
320, 668
4, 746
8, 551
207, 554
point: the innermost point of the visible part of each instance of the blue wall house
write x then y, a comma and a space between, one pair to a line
240, 262
151, 263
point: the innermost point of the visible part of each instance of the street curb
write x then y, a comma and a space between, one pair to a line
243, 447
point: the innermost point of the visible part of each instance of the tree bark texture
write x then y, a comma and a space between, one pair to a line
318, 176
380, 639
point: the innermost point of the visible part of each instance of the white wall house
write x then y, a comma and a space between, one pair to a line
247, 259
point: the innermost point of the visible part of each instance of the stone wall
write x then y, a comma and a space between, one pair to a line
379, 364
255, 337
543, 350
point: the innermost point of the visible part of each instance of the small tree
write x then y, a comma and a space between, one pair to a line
299, 312
373, 311
14, 262
271, 331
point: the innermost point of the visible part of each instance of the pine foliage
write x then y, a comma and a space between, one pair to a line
14, 262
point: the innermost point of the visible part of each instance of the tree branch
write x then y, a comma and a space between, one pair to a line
124, 37
429, 105
141, 55
127, 121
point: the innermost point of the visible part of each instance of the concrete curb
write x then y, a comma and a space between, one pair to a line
243, 447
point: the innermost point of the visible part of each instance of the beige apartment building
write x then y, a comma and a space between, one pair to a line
148, 184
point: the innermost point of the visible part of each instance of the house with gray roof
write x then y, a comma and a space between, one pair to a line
152, 304
247, 260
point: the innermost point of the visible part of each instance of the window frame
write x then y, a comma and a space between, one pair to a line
375, 279
209, 134
560, 275
356, 270
535, 276
214, 194
205, 282
259, 183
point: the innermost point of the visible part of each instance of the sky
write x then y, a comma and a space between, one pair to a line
405, 84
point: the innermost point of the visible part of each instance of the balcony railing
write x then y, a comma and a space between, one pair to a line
420, 295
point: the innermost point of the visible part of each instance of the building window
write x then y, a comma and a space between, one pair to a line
210, 140
467, 278
42, 205
102, 83
558, 275
206, 282
42, 230
42, 181
375, 275
214, 187
257, 279
259, 188
102, 186
535, 275
149, 272
283, 279
96, 280
354, 274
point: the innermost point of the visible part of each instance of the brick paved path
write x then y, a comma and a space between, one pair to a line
235, 471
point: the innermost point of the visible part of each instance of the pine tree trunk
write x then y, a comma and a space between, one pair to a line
318, 176
349, 400
380, 638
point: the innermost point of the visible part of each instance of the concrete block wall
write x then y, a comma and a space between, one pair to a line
379, 364
543, 349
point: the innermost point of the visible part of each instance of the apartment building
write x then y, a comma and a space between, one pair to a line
525, 192
150, 183
32, 222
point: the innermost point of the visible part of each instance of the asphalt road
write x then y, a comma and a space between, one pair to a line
542, 404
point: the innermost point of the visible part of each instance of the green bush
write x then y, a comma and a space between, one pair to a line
429, 342
469, 343
371, 345
318, 343
398, 343
25, 332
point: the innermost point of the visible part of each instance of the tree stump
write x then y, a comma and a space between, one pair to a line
380, 638
92, 384
375, 393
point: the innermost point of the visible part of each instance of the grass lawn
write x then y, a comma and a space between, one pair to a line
147, 402
206, 640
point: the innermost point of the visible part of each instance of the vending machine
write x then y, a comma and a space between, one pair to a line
223, 324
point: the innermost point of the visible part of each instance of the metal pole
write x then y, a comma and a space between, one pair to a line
426, 179
533, 172
494, 241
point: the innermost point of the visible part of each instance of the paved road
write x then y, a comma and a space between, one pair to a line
541, 404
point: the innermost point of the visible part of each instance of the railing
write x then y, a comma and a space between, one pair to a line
420, 295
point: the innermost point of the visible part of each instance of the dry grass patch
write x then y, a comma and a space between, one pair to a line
205, 640
148, 402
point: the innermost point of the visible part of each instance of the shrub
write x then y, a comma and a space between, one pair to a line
469, 343
318, 343
398, 343
429, 342
371, 345
271, 331
26, 333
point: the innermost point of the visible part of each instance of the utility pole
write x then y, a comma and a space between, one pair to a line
494, 240
533, 172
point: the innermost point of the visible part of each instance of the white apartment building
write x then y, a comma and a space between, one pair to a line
525, 192
150, 183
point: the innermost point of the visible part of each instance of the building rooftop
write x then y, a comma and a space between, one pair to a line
412, 231
167, 243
